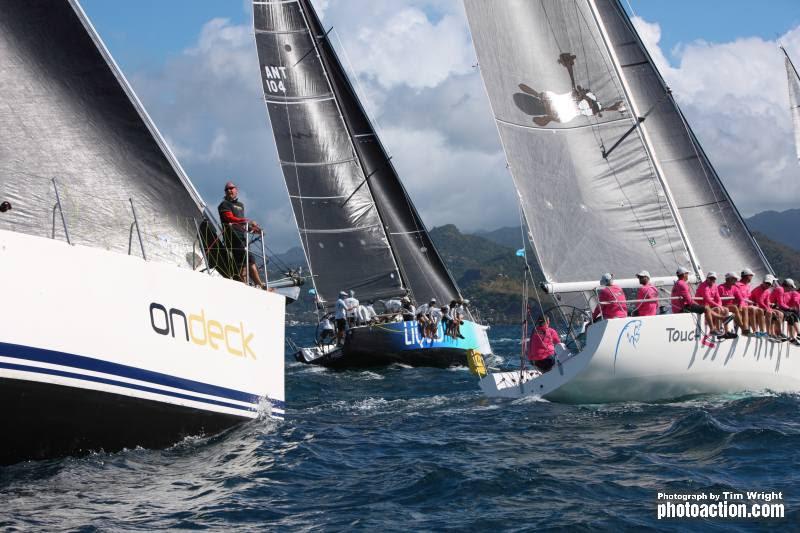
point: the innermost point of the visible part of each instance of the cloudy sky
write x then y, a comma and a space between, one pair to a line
193, 64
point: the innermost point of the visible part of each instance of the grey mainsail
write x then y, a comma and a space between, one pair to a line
357, 225
593, 137
794, 98
66, 112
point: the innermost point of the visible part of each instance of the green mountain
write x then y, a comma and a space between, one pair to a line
781, 226
490, 274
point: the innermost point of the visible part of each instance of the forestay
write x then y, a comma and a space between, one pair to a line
609, 177
357, 224
794, 98
66, 112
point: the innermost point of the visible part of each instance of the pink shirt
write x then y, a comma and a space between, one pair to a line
647, 292
744, 288
733, 291
777, 297
793, 299
543, 343
760, 297
617, 309
708, 294
681, 290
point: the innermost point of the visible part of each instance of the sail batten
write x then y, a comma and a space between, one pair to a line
610, 176
328, 151
544, 66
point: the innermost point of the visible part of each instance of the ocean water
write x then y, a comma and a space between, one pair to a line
404, 449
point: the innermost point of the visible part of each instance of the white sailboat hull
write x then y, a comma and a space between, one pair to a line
655, 358
129, 340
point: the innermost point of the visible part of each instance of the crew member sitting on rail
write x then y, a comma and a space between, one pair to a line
408, 310
341, 318
391, 310
682, 299
755, 315
761, 297
707, 294
782, 301
542, 345
435, 315
612, 303
646, 292
791, 300
732, 299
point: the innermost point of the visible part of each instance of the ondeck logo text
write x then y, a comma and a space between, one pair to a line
200, 331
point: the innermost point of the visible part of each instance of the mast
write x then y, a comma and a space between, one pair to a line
647, 142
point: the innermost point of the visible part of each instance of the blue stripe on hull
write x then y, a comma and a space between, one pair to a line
79, 362
406, 336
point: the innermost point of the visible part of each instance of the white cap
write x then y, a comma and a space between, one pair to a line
606, 278
789, 282
769, 278
731, 275
343, 294
643, 274
747, 272
711, 274
682, 270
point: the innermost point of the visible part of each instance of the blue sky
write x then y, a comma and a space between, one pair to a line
199, 81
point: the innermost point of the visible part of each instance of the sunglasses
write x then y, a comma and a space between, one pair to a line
229, 188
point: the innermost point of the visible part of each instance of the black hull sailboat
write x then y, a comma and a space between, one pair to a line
358, 227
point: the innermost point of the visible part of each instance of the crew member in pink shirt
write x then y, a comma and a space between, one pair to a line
707, 295
542, 345
754, 314
612, 303
792, 300
683, 301
646, 292
760, 296
734, 302
781, 300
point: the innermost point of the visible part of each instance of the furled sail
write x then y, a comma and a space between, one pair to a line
794, 98
593, 137
66, 112
357, 224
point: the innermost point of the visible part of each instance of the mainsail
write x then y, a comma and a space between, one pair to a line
357, 225
67, 114
593, 136
794, 98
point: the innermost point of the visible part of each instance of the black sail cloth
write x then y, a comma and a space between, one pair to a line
357, 224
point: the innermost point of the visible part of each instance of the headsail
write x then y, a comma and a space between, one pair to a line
593, 137
794, 98
66, 112
357, 224
717, 231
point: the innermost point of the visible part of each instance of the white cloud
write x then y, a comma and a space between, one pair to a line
736, 99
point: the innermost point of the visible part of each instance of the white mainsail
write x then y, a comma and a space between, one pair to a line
593, 136
794, 98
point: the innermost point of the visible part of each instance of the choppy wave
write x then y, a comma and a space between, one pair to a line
414, 448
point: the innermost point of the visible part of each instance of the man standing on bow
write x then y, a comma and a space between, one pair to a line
234, 232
